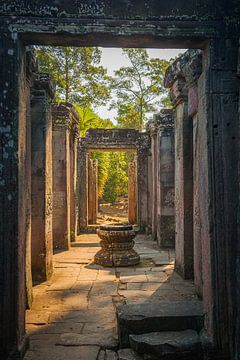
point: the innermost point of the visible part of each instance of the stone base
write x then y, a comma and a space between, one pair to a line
121, 258
116, 246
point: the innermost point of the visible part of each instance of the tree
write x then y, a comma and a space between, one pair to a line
140, 85
89, 120
79, 78
117, 181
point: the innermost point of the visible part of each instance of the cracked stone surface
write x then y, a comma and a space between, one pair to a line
74, 313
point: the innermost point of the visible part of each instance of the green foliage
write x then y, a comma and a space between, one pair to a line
90, 120
76, 71
138, 88
103, 169
117, 181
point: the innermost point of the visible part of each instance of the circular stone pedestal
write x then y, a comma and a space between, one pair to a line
116, 246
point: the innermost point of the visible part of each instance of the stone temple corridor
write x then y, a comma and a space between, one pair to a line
73, 315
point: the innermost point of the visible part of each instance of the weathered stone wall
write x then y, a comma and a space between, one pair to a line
212, 26
92, 191
42, 93
114, 140
161, 131
64, 123
213, 137
15, 194
132, 192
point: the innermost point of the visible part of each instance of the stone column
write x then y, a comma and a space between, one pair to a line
82, 188
42, 93
92, 191
63, 123
30, 69
165, 209
143, 199
74, 135
14, 193
132, 192
192, 69
183, 173
153, 130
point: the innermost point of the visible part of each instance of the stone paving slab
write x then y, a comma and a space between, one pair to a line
81, 298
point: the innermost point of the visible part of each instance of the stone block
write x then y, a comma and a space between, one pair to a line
171, 345
160, 316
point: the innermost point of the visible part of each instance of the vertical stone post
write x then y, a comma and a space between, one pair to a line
82, 188
132, 192
63, 124
192, 69
42, 93
183, 172
153, 130
74, 135
92, 191
143, 199
14, 193
165, 161
30, 69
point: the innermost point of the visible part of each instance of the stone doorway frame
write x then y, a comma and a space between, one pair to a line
108, 140
191, 26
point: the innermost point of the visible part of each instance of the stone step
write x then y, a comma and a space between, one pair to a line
169, 345
158, 316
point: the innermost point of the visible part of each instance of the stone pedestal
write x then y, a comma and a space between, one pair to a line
41, 150
132, 192
116, 246
92, 191
65, 122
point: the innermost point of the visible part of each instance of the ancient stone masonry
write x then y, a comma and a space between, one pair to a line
114, 140
65, 134
42, 93
184, 97
132, 192
92, 191
161, 130
30, 70
212, 26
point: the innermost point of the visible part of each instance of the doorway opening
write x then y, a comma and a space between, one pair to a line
112, 187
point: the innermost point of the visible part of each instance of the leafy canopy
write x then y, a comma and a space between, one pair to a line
76, 71
139, 87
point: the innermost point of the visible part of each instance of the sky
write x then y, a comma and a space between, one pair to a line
112, 59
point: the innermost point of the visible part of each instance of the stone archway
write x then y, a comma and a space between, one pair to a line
196, 24
129, 140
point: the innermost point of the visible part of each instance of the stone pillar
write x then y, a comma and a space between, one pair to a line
63, 124
14, 194
74, 135
192, 69
153, 130
42, 93
143, 198
92, 191
165, 209
132, 192
82, 188
30, 69
183, 173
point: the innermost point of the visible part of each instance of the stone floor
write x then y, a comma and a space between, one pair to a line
73, 314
